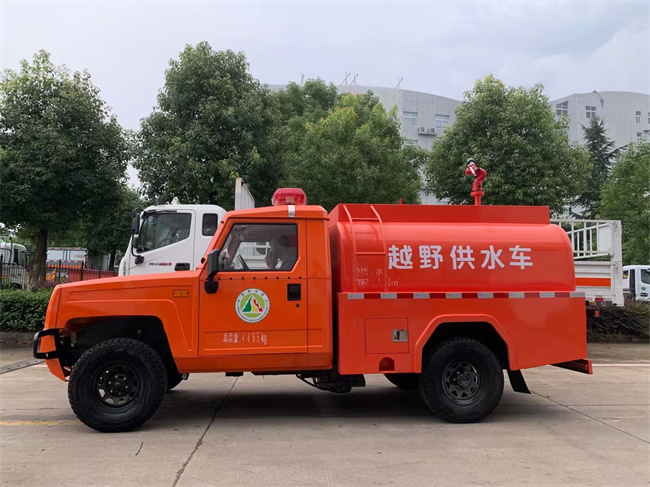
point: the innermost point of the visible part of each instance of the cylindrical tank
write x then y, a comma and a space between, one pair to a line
427, 248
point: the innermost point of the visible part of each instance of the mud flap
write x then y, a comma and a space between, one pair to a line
517, 381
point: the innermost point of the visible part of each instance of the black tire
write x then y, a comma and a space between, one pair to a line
408, 382
461, 380
174, 377
121, 363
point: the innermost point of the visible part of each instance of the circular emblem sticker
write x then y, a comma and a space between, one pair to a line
252, 305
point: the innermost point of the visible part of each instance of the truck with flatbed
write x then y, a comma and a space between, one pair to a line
442, 299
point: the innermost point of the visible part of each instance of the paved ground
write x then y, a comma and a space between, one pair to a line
12, 353
574, 430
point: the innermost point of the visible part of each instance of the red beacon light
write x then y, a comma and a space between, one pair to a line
289, 196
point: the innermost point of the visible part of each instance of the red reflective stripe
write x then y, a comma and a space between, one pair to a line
498, 295
598, 300
593, 281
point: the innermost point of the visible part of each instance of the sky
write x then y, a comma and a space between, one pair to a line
436, 47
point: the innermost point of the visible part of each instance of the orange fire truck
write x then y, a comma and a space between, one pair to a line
438, 298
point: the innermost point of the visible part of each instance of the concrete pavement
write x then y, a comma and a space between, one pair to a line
574, 430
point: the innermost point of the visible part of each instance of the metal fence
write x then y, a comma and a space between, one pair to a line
16, 276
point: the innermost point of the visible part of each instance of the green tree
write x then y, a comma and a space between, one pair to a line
355, 155
299, 106
63, 154
513, 134
601, 153
309, 102
213, 123
626, 197
111, 232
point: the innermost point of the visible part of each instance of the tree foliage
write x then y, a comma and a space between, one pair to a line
355, 154
300, 105
626, 197
513, 134
601, 154
111, 232
63, 155
213, 123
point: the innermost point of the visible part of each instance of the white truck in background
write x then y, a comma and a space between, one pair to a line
167, 238
636, 282
67, 256
14, 264
598, 259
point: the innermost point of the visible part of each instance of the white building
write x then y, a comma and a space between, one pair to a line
424, 116
626, 114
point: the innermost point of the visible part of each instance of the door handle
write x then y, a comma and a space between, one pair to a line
182, 266
294, 292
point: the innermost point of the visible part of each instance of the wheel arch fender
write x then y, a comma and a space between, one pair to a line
439, 322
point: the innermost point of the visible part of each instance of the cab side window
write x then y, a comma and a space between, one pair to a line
260, 247
210, 224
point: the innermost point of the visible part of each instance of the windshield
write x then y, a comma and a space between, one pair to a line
20, 257
162, 229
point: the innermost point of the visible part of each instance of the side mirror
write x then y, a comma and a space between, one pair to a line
212, 266
135, 225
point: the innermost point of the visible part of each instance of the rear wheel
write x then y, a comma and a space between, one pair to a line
117, 385
408, 382
461, 380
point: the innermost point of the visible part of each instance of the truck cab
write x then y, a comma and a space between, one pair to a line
636, 282
169, 238
14, 264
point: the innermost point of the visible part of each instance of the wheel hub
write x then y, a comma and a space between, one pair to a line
117, 385
461, 381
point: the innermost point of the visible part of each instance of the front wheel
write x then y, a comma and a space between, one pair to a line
117, 385
461, 380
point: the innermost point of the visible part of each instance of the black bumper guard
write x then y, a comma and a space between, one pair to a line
37, 344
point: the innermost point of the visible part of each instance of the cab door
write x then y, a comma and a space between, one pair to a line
259, 306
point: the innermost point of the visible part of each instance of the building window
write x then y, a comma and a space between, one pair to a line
442, 121
638, 117
591, 112
638, 137
562, 108
411, 142
410, 119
